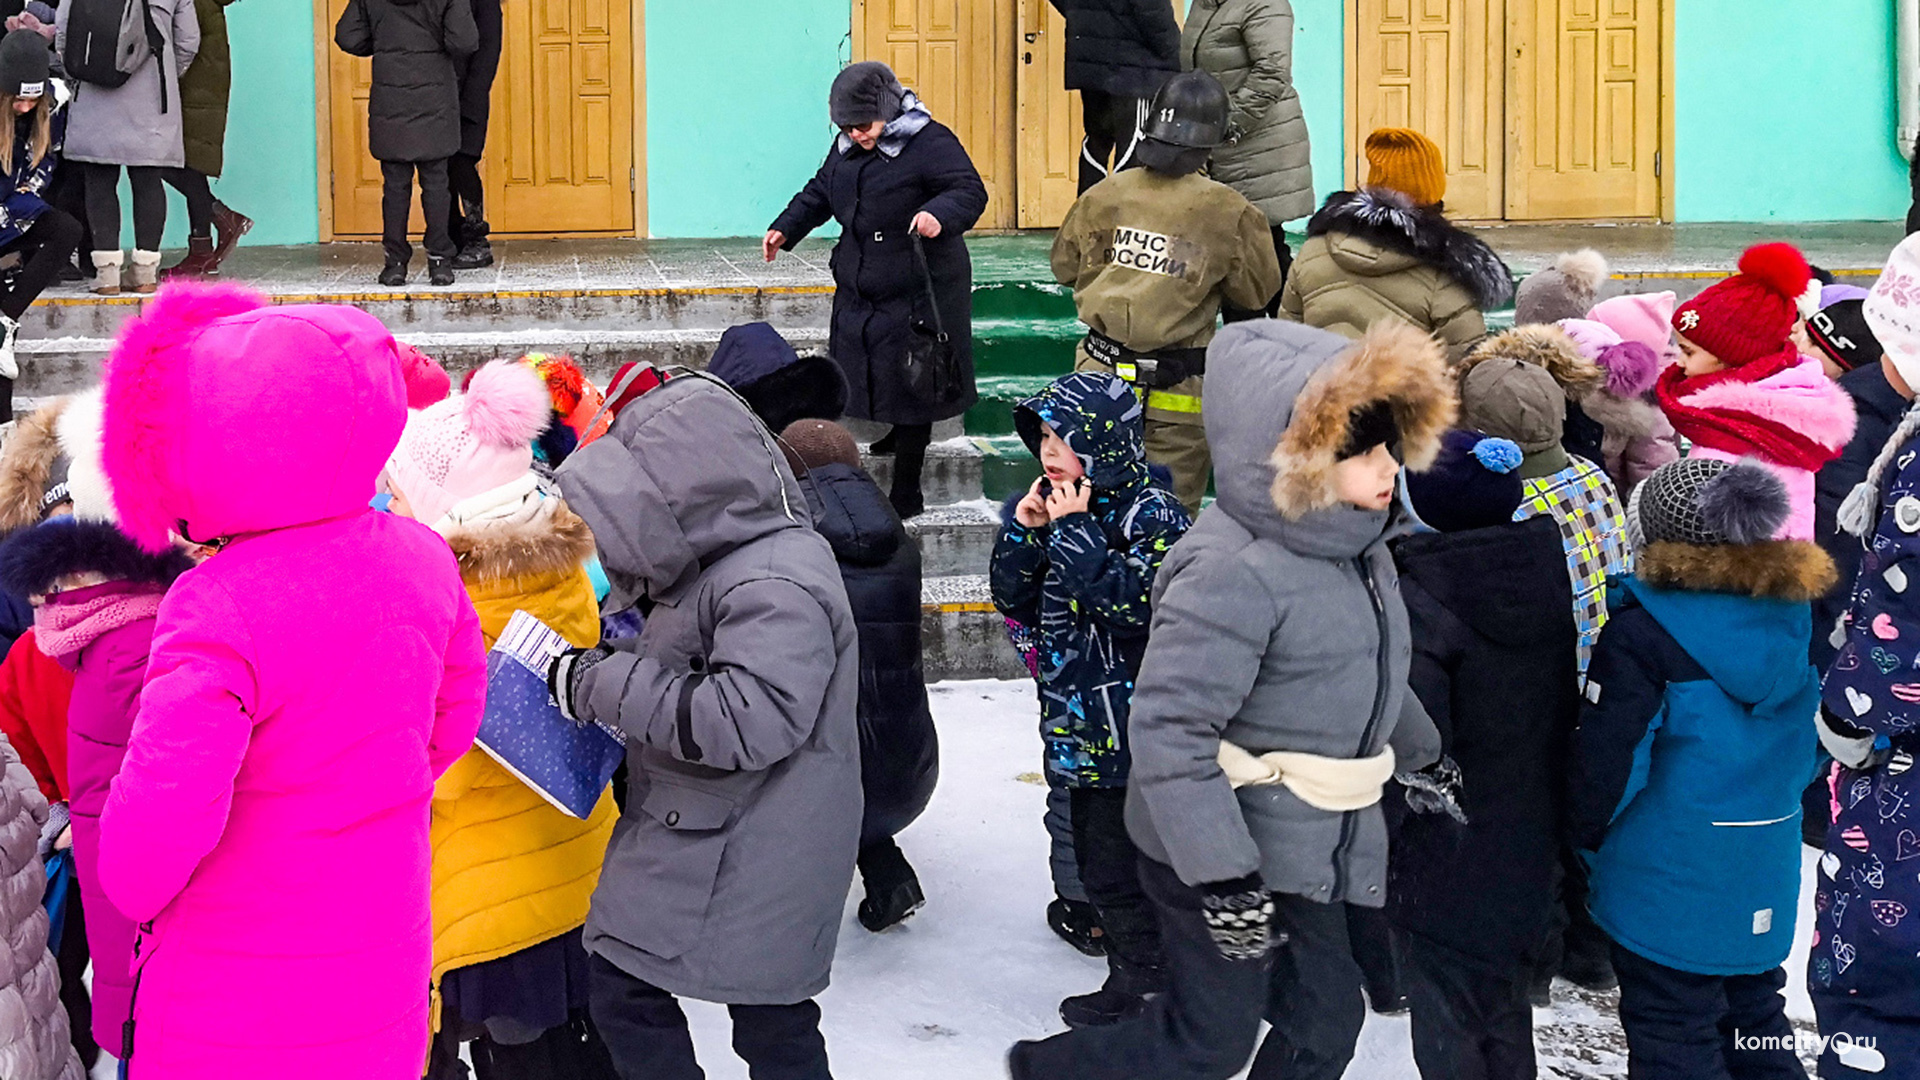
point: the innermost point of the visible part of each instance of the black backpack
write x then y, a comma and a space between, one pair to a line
108, 40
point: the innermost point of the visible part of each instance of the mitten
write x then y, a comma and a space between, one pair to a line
1849, 743
59, 819
566, 671
1239, 916
1434, 789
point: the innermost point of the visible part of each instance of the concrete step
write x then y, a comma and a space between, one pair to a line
951, 475
957, 539
961, 635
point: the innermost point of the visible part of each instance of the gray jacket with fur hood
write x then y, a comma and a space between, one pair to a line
1278, 623
728, 872
33, 1024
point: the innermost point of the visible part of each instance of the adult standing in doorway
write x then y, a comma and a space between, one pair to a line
469, 219
900, 184
203, 101
1248, 46
1118, 53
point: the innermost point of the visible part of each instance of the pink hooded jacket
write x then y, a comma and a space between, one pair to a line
268, 829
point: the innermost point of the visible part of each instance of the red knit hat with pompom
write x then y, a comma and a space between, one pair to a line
1749, 316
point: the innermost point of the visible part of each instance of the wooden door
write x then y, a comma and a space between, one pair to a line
950, 53
1050, 120
1585, 94
560, 138
1435, 66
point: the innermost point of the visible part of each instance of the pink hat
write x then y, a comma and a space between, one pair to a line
1631, 366
1646, 318
470, 443
427, 381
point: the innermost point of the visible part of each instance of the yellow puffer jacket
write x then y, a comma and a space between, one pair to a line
510, 870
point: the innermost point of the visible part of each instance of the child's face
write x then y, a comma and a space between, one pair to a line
1800, 339
1695, 360
1058, 460
1367, 481
1895, 379
396, 502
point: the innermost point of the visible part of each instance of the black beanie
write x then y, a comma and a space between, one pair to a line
25, 64
1369, 426
1473, 484
865, 92
1841, 332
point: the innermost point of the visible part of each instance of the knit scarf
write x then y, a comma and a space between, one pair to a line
70, 621
899, 130
1738, 432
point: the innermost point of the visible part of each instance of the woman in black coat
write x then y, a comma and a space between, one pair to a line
894, 171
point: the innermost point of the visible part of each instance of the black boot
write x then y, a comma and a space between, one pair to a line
893, 890
440, 272
394, 274
472, 231
1078, 925
1122, 998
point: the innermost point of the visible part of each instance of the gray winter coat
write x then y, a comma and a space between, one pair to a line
33, 1024
125, 124
1274, 634
1248, 46
727, 874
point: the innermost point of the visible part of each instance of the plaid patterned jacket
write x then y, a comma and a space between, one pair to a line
1593, 529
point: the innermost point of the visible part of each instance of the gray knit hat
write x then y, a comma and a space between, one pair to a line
1707, 501
1566, 290
865, 92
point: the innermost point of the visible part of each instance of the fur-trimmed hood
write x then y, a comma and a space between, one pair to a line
27, 465
1795, 570
1389, 220
779, 384
1543, 346
32, 560
554, 541
1800, 403
1276, 405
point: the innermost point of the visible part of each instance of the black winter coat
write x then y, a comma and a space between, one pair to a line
1879, 408
1493, 662
878, 288
880, 564
418, 46
476, 78
1125, 47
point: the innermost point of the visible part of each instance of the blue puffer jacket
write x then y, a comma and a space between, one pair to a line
1693, 750
1082, 584
23, 187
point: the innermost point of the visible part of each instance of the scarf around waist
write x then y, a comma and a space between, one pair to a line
1336, 785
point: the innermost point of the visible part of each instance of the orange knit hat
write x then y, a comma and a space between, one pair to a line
1408, 162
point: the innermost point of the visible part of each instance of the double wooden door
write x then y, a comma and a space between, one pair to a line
1545, 109
559, 155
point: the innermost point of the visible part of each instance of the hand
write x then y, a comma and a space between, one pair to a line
926, 225
773, 243
59, 822
1239, 916
1071, 498
1435, 789
1031, 511
565, 673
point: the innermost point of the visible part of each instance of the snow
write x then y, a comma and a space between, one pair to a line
946, 993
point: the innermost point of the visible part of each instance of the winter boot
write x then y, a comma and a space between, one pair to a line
70, 273
1124, 996
394, 274
198, 262
106, 272
146, 271
1078, 925
9, 364
440, 272
229, 225
475, 251
893, 890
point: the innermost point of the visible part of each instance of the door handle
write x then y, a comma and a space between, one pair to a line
1033, 37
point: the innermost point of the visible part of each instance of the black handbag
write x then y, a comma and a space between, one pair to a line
932, 367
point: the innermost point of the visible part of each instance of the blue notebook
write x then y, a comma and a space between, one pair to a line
568, 764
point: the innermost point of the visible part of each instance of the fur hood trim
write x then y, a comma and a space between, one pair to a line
1801, 399
26, 462
32, 560
504, 550
1392, 362
81, 440
1390, 219
1795, 570
1542, 346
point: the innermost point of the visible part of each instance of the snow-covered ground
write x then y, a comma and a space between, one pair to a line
944, 994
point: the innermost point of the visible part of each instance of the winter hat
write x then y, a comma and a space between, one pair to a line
470, 444
1403, 160
1631, 367
25, 63
1474, 483
1833, 294
1565, 290
1707, 501
1644, 317
1892, 309
427, 382
809, 444
1841, 333
1513, 399
1749, 316
865, 92
1369, 426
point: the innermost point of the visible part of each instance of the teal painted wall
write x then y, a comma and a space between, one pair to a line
737, 108
1785, 112
1320, 74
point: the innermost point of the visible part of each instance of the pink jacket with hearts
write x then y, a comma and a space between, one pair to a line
268, 829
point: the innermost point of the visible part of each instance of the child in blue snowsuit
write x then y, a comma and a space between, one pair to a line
1075, 563
1689, 761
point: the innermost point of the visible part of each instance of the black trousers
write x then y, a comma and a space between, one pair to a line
103, 204
47, 243
72, 961
1682, 1026
1112, 124
910, 442
573, 1051
466, 211
1205, 1025
646, 1030
1913, 180
1468, 1023
1229, 313
396, 198
68, 194
1109, 868
193, 186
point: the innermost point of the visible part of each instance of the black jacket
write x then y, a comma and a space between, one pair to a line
1126, 47
1879, 409
880, 564
878, 288
1493, 662
476, 78
418, 46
